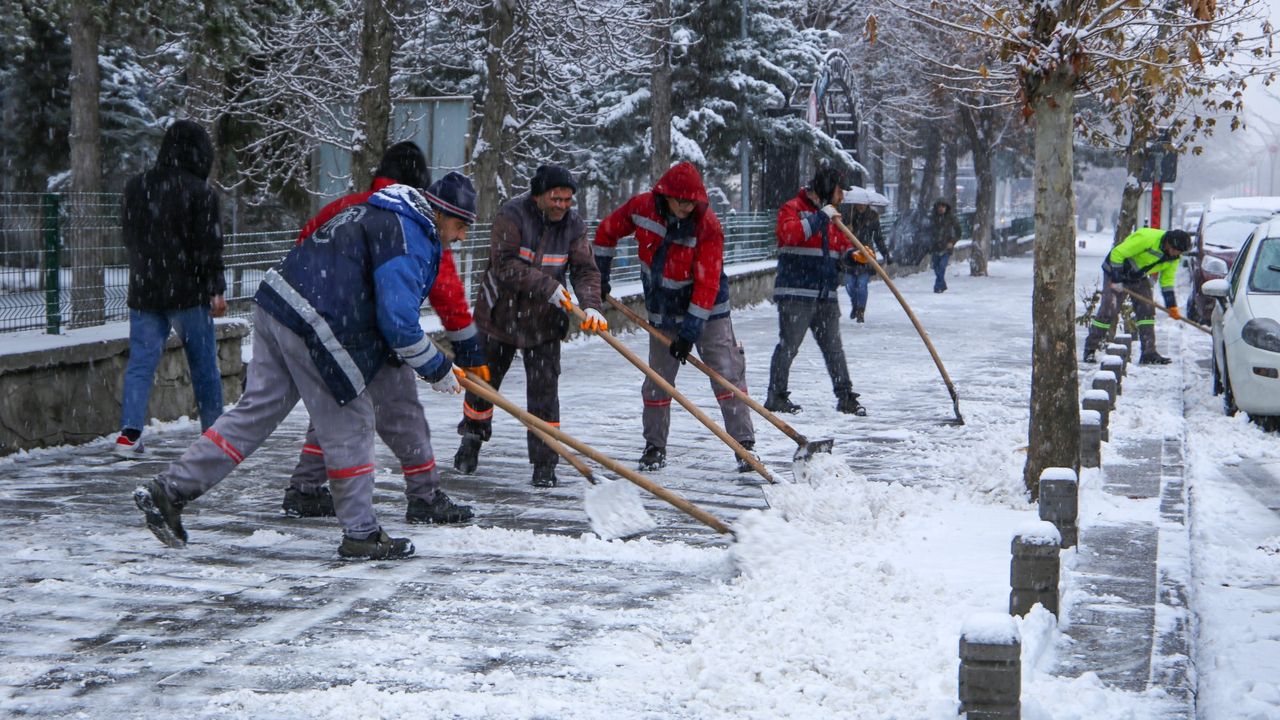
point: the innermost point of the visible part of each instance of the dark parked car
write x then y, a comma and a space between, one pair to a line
1224, 226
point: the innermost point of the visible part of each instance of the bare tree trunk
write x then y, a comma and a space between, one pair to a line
85, 234
951, 171
905, 180
660, 95
1054, 432
877, 158
1135, 156
932, 167
490, 149
373, 108
984, 216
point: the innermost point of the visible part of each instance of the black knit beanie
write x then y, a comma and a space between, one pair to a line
405, 163
549, 177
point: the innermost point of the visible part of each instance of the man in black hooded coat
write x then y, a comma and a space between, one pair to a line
171, 232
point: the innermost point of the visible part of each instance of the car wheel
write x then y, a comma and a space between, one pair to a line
1217, 377
1228, 397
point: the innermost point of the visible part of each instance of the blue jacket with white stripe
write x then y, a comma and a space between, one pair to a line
353, 288
809, 252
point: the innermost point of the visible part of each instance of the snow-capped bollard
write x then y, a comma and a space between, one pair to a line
990, 667
1033, 574
1120, 350
1060, 502
1105, 380
1124, 339
1098, 400
1090, 439
1115, 364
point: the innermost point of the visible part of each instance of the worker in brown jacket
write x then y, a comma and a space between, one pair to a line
537, 243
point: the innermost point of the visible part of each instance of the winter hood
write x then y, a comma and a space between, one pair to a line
186, 146
408, 203
682, 182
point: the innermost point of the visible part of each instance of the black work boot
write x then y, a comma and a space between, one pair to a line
743, 465
781, 403
860, 315
301, 504
468, 455
1090, 354
1147, 337
163, 516
378, 546
849, 405
544, 476
653, 458
439, 511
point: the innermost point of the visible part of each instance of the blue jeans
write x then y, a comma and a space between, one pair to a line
939, 265
856, 283
147, 333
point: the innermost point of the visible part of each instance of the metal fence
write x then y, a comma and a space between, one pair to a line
62, 263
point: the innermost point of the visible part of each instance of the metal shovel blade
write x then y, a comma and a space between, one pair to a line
615, 510
809, 447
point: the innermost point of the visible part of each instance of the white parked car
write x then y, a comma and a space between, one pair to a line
1246, 328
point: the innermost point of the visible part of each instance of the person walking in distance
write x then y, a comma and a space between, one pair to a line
681, 249
943, 231
173, 238
398, 413
811, 255
327, 317
538, 243
865, 224
1147, 251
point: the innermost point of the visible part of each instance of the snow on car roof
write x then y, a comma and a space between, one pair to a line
1266, 203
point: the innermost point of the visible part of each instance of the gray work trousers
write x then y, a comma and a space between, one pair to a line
720, 350
795, 318
280, 374
400, 422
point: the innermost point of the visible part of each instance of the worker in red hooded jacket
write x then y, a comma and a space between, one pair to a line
681, 250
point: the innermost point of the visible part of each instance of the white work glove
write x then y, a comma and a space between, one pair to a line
595, 322
830, 211
449, 383
561, 299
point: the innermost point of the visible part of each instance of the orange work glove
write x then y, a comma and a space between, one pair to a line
480, 371
1173, 313
594, 322
561, 298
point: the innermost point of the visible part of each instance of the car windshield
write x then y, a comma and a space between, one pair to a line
1266, 268
1230, 231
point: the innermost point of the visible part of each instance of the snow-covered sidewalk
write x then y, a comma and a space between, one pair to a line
843, 600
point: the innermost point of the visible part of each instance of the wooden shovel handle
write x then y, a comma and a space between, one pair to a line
933, 352
719, 379
684, 401
1161, 308
484, 390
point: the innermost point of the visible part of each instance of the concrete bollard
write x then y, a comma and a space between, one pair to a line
1033, 573
1105, 380
1124, 339
990, 667
1060, 502
1115, 365
1099, 400
1090, 439
1120, 350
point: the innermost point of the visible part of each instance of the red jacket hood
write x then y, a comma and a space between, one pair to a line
682, 182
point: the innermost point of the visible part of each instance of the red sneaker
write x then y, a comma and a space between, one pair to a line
127, 448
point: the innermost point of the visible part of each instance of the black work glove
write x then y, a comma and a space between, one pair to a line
680, 349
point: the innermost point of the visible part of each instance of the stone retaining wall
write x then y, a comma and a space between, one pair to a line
69, 391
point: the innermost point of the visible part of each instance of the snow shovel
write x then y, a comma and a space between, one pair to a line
481, 388
684, 401
613, 507
871, 258
806, 447
1161, 308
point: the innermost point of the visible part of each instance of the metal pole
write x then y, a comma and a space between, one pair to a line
52, 265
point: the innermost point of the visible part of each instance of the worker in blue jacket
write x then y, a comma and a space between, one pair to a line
326, 319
